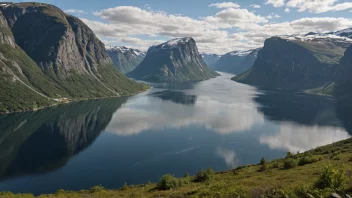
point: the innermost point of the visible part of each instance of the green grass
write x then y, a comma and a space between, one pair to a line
326, 90
248, 181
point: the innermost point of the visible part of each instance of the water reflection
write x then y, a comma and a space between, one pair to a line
216, 123
306, 121
39, 142
298, 107
216, 104
294, 137
176, 97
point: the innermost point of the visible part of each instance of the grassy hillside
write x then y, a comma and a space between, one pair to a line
316, 173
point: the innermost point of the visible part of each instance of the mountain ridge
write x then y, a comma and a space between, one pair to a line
48, 56
176, 60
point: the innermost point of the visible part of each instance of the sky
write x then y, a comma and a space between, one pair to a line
217, 26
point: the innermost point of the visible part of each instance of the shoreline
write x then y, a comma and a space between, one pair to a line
73, 100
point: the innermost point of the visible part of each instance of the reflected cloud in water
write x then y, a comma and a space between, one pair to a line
293, 137
229, 156
224, 107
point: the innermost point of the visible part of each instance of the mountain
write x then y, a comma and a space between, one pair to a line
47, 56
296, 62
236, 62
343, 82
210, 59
175, 60
125, 59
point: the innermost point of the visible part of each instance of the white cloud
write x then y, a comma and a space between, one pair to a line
318, 6
128, 24
225, 5
74, 11
255, 6
232, 17
276, 3
287, 10
272, 16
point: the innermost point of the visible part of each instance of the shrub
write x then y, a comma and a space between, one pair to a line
186, 175
289, 163
263, 167
98, 188
204, 175
331, 178
306, 160
168, 181
262, 161
276, 164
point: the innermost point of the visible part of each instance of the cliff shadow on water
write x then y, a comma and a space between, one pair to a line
43, 141
305, 109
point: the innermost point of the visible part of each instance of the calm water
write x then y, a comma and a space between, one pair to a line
170, 129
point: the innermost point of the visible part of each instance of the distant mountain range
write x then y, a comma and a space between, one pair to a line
297, 62
48, 56
125, 59
236, 62
174, 61
210, 59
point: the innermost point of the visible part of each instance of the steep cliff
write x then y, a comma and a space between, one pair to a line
48, 56
296, 62
175, 60
125, 59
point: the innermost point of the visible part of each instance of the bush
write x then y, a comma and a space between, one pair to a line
168, 181
289, 163
262, 161
204, 175
263, 167
331, 178
306, 160
275, 164
98, 188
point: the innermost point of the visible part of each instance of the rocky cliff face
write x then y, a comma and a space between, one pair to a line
125, 59
236, 62
343, 82
175, 60
210, 59
47, 55
296, 62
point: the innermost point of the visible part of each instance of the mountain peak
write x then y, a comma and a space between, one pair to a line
174, 60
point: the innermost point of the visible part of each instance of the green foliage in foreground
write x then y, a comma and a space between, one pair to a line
316, 173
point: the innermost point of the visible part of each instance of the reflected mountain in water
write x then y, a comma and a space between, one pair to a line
42, 141
344, 113
176, 97
298, 107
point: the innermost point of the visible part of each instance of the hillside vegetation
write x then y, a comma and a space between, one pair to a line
316, 173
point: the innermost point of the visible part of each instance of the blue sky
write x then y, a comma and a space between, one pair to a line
217, 26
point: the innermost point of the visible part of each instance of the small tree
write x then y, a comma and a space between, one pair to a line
262, 161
